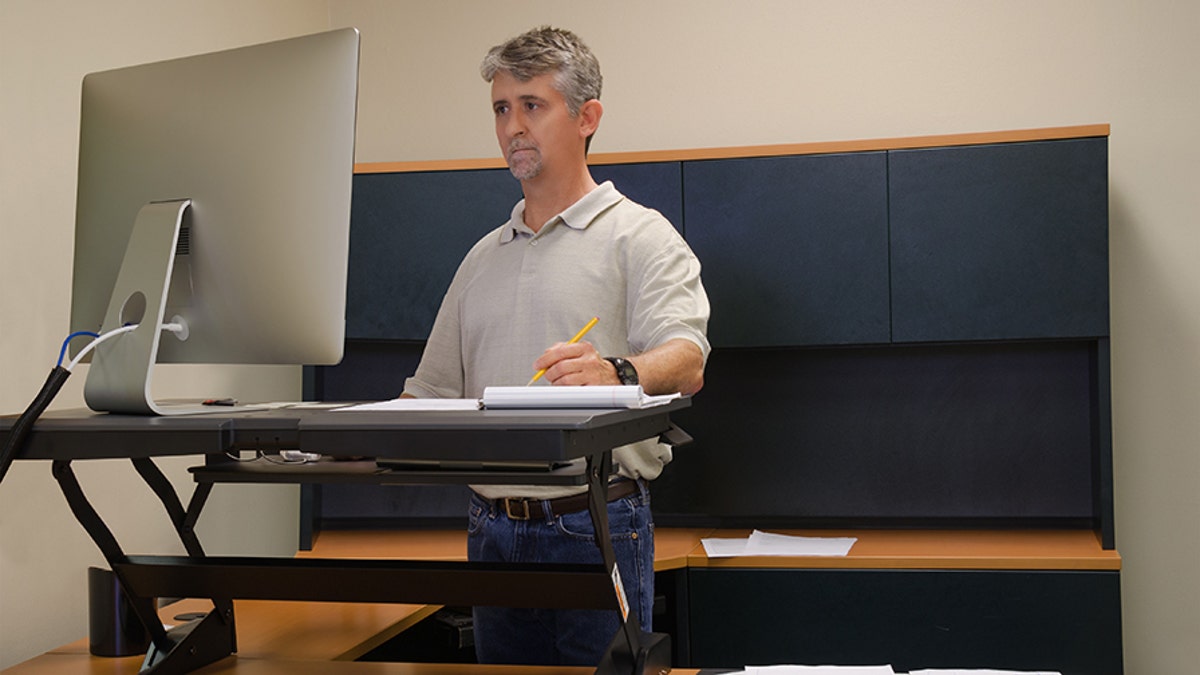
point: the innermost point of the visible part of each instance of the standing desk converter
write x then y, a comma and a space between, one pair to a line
474, 438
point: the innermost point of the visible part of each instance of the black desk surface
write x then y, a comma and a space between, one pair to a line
527, 434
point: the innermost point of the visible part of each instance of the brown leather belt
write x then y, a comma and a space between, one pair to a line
525, 508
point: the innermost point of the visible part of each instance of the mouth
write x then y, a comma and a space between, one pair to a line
515, 149
524, 160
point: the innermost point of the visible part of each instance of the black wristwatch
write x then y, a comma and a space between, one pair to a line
626, 373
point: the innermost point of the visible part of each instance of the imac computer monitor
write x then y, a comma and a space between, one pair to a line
214, 201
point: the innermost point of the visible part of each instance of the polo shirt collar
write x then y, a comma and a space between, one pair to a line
576, 216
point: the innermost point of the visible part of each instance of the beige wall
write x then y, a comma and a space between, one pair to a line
679, 73
45, 49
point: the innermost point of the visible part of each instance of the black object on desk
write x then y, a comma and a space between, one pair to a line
550, 436
114, 628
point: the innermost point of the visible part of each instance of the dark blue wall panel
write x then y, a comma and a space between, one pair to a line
657, 185
408, 233
794, 249
1000, 242
986, 243
928, 433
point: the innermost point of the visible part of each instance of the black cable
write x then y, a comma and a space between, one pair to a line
24, 424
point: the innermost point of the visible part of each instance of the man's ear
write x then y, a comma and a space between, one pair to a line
589, 117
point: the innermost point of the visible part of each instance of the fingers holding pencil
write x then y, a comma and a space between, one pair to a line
578, 336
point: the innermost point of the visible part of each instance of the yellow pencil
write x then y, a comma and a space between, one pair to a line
578, 336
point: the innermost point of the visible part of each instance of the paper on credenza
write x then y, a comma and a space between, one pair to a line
767, 543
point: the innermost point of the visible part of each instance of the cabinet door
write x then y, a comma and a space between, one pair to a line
1027, 620
408, 233
1000, 242
979, 432
794, 249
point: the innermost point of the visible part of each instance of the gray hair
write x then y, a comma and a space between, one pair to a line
549, 50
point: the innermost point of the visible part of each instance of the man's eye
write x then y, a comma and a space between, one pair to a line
500, 110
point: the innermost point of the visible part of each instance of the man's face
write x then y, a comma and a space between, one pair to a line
534, 126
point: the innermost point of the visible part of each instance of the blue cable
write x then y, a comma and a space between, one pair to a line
63, 352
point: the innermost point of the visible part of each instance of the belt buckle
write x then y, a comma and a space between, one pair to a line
508, 502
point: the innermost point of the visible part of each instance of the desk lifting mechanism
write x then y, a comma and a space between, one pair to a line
222, 579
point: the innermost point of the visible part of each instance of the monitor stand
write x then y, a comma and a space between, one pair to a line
122, 368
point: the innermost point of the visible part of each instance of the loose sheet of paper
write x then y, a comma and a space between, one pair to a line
766, 543
401, 404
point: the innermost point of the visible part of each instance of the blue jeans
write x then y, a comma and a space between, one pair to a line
550, 636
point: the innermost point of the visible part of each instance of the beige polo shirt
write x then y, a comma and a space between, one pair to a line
516, 293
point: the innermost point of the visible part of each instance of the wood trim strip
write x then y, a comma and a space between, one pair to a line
677, 548
816, 148
1069, 550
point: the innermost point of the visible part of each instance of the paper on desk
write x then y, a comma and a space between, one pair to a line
399, 404
617, 396
767, 543
717, 547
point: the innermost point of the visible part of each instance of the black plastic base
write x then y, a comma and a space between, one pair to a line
653, 657
193, 646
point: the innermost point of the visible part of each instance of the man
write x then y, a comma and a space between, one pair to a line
571, 250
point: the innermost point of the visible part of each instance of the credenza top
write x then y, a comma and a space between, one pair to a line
813, 148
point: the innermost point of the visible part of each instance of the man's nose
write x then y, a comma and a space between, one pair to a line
515, 126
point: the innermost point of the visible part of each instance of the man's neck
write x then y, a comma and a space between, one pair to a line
546, 198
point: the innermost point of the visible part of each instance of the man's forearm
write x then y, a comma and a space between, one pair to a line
675, 366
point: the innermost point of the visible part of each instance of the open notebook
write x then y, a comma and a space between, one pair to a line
619, 396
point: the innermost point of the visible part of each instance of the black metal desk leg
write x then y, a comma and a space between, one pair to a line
632, 651
187, 647
185, 526
103, 537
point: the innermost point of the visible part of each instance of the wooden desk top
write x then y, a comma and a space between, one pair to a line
936, 549
323, 631
677, 548
276, 637
290, 638
82, 664
671, 546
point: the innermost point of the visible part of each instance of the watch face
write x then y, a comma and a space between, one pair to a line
625, 371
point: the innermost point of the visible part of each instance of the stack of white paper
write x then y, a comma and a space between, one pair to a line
619, 396
766, 543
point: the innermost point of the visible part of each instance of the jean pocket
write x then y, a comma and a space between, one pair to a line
622, 521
